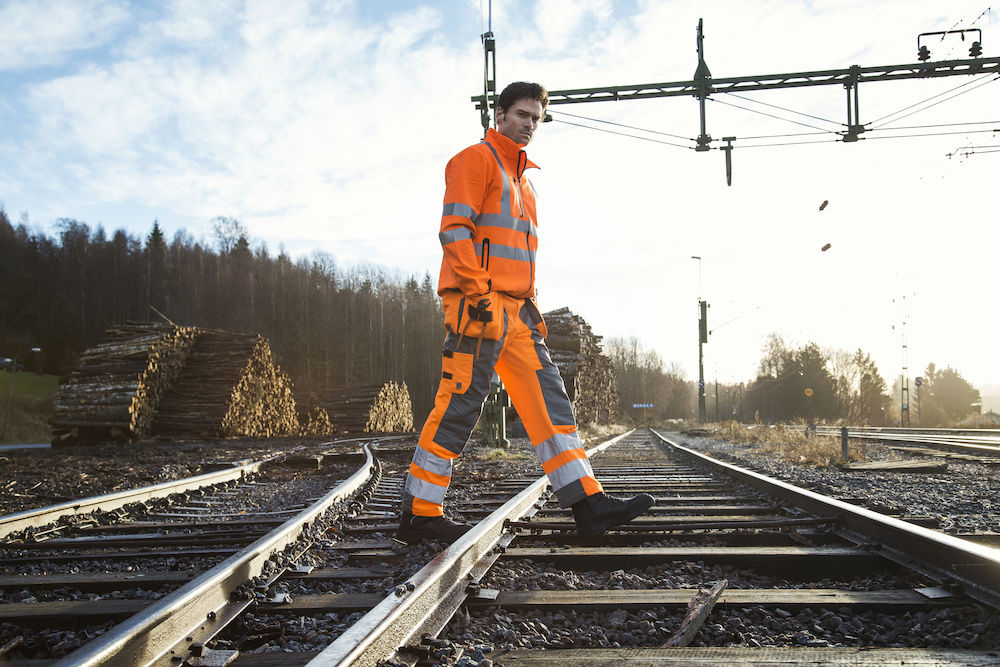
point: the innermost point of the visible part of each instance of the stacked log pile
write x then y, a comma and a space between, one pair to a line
118, 385
378, 408
586, 371
315, 422
229, 388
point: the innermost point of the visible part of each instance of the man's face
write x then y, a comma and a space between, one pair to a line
521, 120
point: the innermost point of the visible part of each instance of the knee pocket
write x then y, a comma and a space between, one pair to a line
456, 371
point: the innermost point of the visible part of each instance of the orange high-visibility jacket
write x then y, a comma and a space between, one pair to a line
488, 226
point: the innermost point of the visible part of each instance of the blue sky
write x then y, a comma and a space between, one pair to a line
326, 126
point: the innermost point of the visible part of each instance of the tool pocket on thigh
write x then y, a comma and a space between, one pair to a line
536, 317
453, 303
456, 371
486, 317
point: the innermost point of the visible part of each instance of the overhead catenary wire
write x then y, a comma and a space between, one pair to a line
866, 138
832, 139
931, 125
785, 135
926, 134
631, 127
967, 151
935, 104
775, 106
789, 143
974, 21
623, 134
932, 97
819, 131
764, 113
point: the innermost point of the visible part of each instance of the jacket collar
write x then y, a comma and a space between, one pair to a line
509, 149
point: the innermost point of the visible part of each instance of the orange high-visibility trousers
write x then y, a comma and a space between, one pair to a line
536, 389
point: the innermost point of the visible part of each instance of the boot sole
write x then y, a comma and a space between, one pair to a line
597, 530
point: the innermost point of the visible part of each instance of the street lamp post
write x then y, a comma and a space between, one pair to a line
10, 392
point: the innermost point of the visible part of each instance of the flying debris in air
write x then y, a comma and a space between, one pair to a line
823, 205
825, 248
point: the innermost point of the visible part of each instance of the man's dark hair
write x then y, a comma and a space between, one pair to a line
521, 90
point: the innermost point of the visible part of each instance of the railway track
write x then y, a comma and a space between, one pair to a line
164, 556
980, 444
728, 566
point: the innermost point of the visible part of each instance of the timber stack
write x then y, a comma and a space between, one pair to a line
315, 422
230, 387
377, 408
586, 371
115, 390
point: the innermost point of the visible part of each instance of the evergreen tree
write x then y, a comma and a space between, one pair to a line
156, 269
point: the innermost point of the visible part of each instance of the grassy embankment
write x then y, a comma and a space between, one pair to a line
793, 445
30, 406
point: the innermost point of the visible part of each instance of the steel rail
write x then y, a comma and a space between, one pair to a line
952, 443
990, 435
43, 516
983, 444
197, 608
974, 567
426, 602
928, 430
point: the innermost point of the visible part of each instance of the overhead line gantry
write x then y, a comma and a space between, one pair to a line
703, 85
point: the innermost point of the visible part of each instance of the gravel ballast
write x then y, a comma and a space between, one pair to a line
960, 499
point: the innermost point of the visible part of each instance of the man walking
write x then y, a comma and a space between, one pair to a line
487, 287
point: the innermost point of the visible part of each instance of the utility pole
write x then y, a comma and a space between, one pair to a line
904, 384
919, 381
702, 339
717, 398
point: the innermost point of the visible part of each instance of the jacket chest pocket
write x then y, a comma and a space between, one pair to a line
456, 371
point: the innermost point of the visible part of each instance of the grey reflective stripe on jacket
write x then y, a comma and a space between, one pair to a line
508, 252
459, 209
452, 235
505, 196
506, 221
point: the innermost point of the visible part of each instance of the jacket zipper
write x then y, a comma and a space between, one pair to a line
527, 235
517, 180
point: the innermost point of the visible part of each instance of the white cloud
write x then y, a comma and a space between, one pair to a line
46, 32
325, 130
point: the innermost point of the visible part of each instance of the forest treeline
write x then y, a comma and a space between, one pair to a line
327, 326
331, 326
804, 383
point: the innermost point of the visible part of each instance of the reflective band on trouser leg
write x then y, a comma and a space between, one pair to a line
447, 429
536, 389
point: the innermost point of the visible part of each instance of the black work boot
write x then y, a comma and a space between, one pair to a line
412, 528
596, 513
